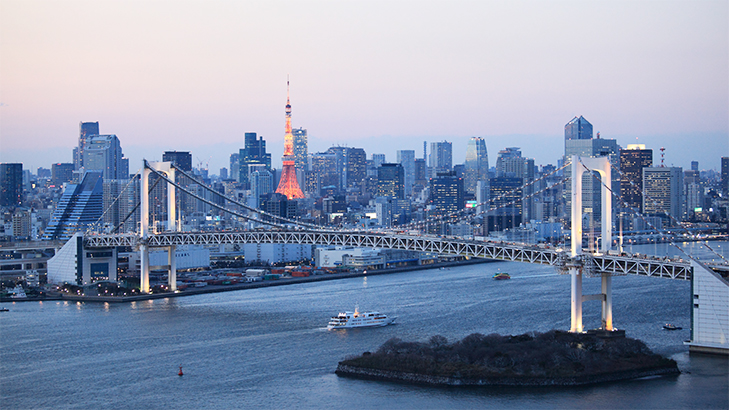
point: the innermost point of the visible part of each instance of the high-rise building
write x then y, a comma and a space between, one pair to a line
510, 164
663, 193
421, 175
235, 166
288, 184
378, 159
476, 165
85, 130
11, 184
104, 153
441, 158
80, 206
301, 149
181, 159
323, 172
351, 166
120, 199
506, 194
446, 193
694, 165
632, 161
725, 176
223, 173
261, 183
591, 182
578, 129
406, 158
390, 181
253, 153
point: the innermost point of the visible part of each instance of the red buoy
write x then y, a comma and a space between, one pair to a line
180, 373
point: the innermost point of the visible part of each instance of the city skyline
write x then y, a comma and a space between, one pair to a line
513, 74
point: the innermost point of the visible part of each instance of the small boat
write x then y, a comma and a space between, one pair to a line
348, 320
669, 326
502, 276
4, 310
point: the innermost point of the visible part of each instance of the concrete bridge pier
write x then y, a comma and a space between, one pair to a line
172, 277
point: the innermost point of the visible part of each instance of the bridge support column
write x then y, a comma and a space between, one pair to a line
607, 302
144, 269
576, 300
172, 277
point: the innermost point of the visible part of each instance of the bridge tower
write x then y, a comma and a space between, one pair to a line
169, 171
576, 267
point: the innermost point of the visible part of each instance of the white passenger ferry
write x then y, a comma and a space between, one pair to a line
347, 320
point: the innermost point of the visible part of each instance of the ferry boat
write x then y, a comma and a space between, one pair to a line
669, 326
348, 320
502, 276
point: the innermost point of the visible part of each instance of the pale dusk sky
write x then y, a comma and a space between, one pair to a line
381, 75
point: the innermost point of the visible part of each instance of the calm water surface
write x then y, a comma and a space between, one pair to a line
269, 348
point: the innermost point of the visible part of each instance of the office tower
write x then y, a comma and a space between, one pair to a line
80, 206
235, 167
253, 153
725, 176
120, 198
378, 159
277, 204
421, 175
476, 165
289, 185
43, 173
694, 165
578, 129
506, 195
181, 159
663, 193
406, 158
104, 153
223, 173
323, 172
390, 181
591, 182
510, 164
85, 130
11, 184
21, 222
61, 173
261, 183
351, 166
632, 161
301, 149
446, 193
441, 159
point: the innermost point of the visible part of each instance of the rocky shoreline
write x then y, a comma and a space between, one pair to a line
525, 381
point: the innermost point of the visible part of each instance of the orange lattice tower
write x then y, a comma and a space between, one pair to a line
288, 185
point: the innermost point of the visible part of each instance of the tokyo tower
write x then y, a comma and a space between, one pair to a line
288, 185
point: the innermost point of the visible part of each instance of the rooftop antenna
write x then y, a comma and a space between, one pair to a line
662, 153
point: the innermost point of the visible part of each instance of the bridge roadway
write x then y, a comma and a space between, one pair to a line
592, 264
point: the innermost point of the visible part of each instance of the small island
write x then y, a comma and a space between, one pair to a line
554, 358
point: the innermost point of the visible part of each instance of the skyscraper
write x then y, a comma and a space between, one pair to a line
253, 153
476, 165
632, 161
578, 129
441, 158
663, 192
301, 149
577, 143
289, 185
725, 176
390, 181
11, 184
406, 158
104, 153
85, 130
182, 159
446, 193
80, 206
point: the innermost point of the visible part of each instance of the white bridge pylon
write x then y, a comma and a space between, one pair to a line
602, 166
167, 169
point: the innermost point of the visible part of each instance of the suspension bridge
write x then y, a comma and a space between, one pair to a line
709, 284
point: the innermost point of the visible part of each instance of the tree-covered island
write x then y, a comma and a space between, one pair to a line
554, 358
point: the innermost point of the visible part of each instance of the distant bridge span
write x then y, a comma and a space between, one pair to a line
593, 264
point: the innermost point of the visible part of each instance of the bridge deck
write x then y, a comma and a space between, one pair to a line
593, 264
